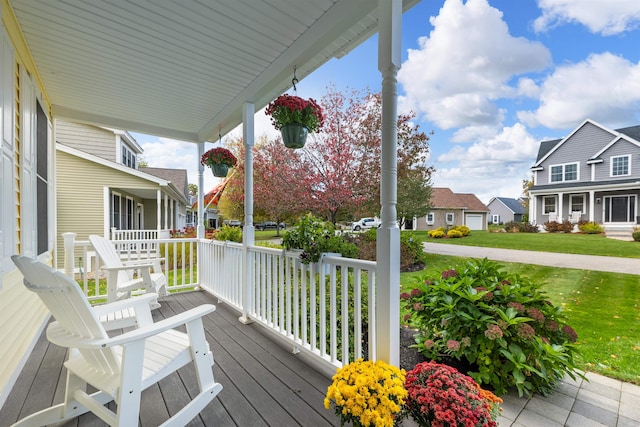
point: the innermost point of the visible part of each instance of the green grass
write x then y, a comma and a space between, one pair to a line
574, 243
603, 308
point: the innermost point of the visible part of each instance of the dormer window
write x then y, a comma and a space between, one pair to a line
621, 165
128, 156
566, 172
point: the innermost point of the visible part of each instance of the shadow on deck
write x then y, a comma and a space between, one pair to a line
265, 384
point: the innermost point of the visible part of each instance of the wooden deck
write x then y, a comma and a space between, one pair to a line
265, 384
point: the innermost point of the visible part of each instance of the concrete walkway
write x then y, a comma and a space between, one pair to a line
596, 401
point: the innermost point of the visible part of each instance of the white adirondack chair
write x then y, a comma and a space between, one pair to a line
119, 367
120, 274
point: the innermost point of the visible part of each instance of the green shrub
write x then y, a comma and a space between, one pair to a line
590, 227
520, 227
499, 323
636, 234
411, 251
315, 236
454, 234
227, 233
438, 233
557, 227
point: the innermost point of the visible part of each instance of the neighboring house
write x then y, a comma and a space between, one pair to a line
591, 174
449, 209
100, 188
504, 209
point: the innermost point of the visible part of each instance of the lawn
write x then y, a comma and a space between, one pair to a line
603, 308
573, 243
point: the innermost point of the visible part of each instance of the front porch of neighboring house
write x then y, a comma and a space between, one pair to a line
281, 328
617, 211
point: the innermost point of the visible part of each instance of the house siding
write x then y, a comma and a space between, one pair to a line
620, 148
90, 139
497, 208
90, 196
592, 139
22, 314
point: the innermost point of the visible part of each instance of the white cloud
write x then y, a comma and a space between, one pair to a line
465, 65
492, 167
607, 17
604, 87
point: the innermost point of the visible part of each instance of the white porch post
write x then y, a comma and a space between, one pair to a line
158, 210
388, 238
166, 211
248, 232
592, 205
200, 228
560, 207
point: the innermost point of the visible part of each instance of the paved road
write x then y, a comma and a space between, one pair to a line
583, 262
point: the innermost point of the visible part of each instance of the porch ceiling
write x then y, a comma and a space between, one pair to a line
182, 69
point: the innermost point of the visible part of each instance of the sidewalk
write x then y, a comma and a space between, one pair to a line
594, 402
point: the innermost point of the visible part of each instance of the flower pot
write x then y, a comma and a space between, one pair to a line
219, 170
294, 135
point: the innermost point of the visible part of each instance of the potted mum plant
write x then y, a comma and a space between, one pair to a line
366, 393
219, 159
295, 117
439, 395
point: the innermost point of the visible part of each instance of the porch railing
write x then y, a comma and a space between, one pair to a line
326, 309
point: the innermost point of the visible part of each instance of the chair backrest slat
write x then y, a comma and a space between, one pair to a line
109, 256
71, 310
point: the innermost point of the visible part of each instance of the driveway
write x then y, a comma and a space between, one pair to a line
582, 262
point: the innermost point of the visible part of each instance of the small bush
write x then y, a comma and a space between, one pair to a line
411, 251
227, 233
454, 234
438, 233
501, 324
636, 234
590, 227
462, 229
315, 236
557, 227
520, 227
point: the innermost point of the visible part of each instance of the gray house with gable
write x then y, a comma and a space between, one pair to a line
591, 174
505, 209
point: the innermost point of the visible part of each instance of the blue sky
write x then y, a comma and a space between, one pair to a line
491, 78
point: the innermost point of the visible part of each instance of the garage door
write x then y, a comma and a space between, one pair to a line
474, 222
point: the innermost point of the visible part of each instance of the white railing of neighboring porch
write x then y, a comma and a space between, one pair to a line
315, 307
179, 262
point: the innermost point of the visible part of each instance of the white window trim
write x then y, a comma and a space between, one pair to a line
452, 220
495, 219
628, 156
430, 221
571, 197
112, 210
564, 165
544, 204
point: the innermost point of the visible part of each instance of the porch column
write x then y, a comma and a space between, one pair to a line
592, 205
560, 207
158, 210
248, 232
532, 209
387, 292
166, 211
200, 228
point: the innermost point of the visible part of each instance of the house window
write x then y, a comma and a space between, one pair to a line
115, 211
449, 218
430, 218
620, 165
495, 219
566, 172
577, 203
128, 156
42, 182
130, 214
549, 204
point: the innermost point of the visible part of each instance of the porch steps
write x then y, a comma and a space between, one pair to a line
619, 232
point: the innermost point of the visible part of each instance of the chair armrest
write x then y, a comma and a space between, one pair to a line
142, 301
126, 267
61, 337
142, 261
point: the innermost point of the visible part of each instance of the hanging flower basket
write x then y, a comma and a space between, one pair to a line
219, 160
295, 117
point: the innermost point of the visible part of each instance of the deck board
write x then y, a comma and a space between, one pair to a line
265, 384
